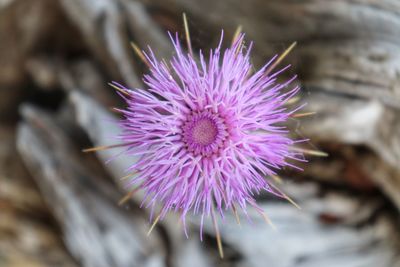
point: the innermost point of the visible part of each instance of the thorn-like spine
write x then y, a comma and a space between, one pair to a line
280, 58
217, 233
277, 179
292, 100
100, 148
127, 196
154, 224
236, 214
187, 33
122, 91
311, 152
236, 34
305, 114
140, 54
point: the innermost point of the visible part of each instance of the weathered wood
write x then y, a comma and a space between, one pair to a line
84, 75
23, 27
251, 242
332, 230
105, 26
145, 30
28, 236
96, 231
348, 47
347, 59
359, 122
101, 126
348, 62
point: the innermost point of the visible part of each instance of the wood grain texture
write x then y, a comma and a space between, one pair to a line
96, 231
59, 57
347, 59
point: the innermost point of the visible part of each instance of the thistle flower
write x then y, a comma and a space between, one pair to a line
208, 133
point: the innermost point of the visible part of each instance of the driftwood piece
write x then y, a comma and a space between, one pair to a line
28, 236
145, 30
104, 32
347, 66
105, 26
349, 47
23, 27
101, 127
84, 75
331, 230
348, 62
347, 59
257, 243
95, 230
370, 123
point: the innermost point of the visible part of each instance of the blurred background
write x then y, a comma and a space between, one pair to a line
59, 206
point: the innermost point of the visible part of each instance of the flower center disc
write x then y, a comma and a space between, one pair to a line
204, 133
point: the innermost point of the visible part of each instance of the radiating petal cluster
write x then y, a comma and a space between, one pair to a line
207, 131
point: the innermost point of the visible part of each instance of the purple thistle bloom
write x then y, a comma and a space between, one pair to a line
207, 133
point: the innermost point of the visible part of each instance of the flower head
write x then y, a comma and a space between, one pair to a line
207, 133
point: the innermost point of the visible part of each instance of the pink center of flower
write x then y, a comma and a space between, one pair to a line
204, 133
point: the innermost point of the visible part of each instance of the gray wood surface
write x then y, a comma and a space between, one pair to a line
59, 205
